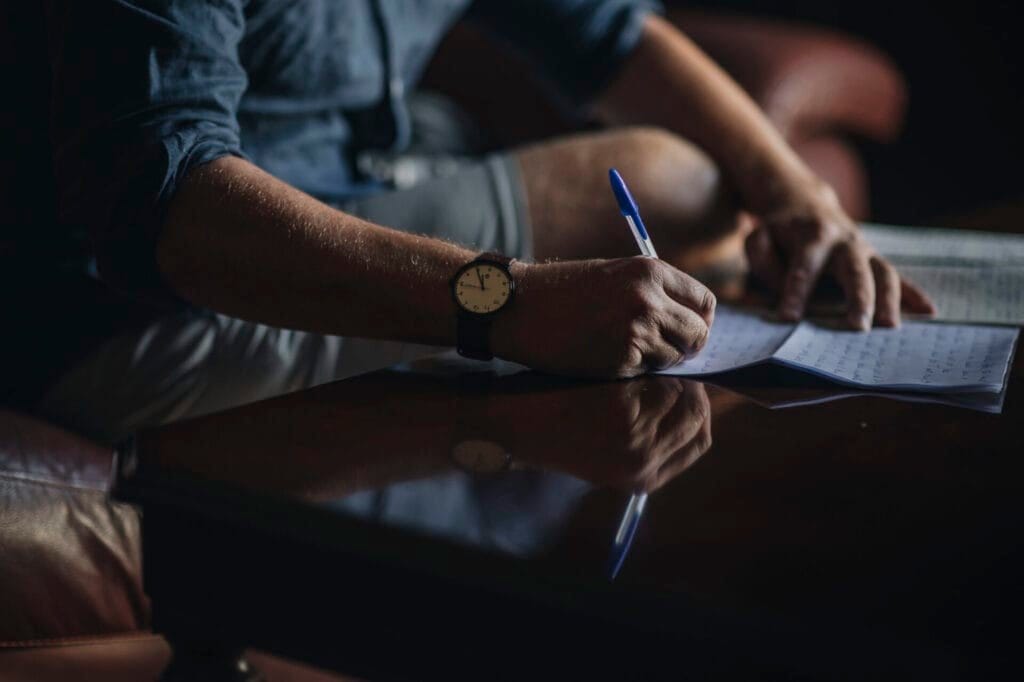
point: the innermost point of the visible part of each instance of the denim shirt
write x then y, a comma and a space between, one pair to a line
143, 91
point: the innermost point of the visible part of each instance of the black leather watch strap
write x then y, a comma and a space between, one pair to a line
473, 332
473, 336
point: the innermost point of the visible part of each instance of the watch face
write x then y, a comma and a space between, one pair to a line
482, 288
481, 457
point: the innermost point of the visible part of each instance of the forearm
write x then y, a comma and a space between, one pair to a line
669, 82
243, 243
240, 242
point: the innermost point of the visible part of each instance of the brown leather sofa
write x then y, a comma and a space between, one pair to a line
72, 603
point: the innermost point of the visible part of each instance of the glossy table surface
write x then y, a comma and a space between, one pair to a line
788, 533
889, 522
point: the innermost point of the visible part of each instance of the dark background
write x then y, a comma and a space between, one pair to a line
962, 148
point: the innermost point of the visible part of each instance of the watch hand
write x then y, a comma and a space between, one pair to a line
481, 278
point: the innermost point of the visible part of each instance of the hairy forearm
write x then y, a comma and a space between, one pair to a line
669, 82
241, 242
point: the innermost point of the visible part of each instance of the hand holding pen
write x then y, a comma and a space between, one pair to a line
635, 507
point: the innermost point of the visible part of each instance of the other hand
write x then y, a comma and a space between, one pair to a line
806, 234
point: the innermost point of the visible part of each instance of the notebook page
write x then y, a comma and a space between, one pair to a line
917, 356
993, 295
738, 338
936, 246
991, 403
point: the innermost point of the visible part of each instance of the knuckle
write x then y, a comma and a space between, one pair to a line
701, 337
708, 301
667, 358
628, 360
647, 269
700, 407
637, 330
704, 441
641, 301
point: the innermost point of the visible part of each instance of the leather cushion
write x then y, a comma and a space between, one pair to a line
71, 558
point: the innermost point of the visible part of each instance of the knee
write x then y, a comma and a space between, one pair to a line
652, 140
676, 181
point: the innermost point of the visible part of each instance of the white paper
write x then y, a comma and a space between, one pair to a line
991, 403
917, 356
993, 295
971, 276
738, 338
937, 246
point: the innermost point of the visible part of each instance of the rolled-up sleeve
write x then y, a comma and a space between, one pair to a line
578, 43
142, 92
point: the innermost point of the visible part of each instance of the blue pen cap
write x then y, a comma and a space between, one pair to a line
625, 199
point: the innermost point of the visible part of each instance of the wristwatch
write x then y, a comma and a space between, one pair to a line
479, 456
481, 288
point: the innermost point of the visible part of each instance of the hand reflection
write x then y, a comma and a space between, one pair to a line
372, 431
634, 435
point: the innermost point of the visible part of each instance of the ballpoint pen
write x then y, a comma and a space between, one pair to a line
635, 508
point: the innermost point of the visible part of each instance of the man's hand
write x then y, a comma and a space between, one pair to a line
606, 318
806, 234
668, 81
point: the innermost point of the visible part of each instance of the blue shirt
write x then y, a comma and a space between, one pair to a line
145, 90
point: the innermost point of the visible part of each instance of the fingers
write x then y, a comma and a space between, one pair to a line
684, 458
764, 260
684, 435
673, 334
659, 353
684, 329
687, 291
681, 426
670, 313
653, 398
887, 292
915, 300
852, 267
804, 269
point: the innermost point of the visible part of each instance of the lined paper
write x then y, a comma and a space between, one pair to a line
938, 246
971, 276
738, 338
993, 295
917, 356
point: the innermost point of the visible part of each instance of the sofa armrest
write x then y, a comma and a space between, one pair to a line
71, 568
810, 81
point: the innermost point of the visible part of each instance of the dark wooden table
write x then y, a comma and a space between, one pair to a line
455, 520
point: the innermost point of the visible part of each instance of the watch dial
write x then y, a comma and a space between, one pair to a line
483, 288
481, 457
